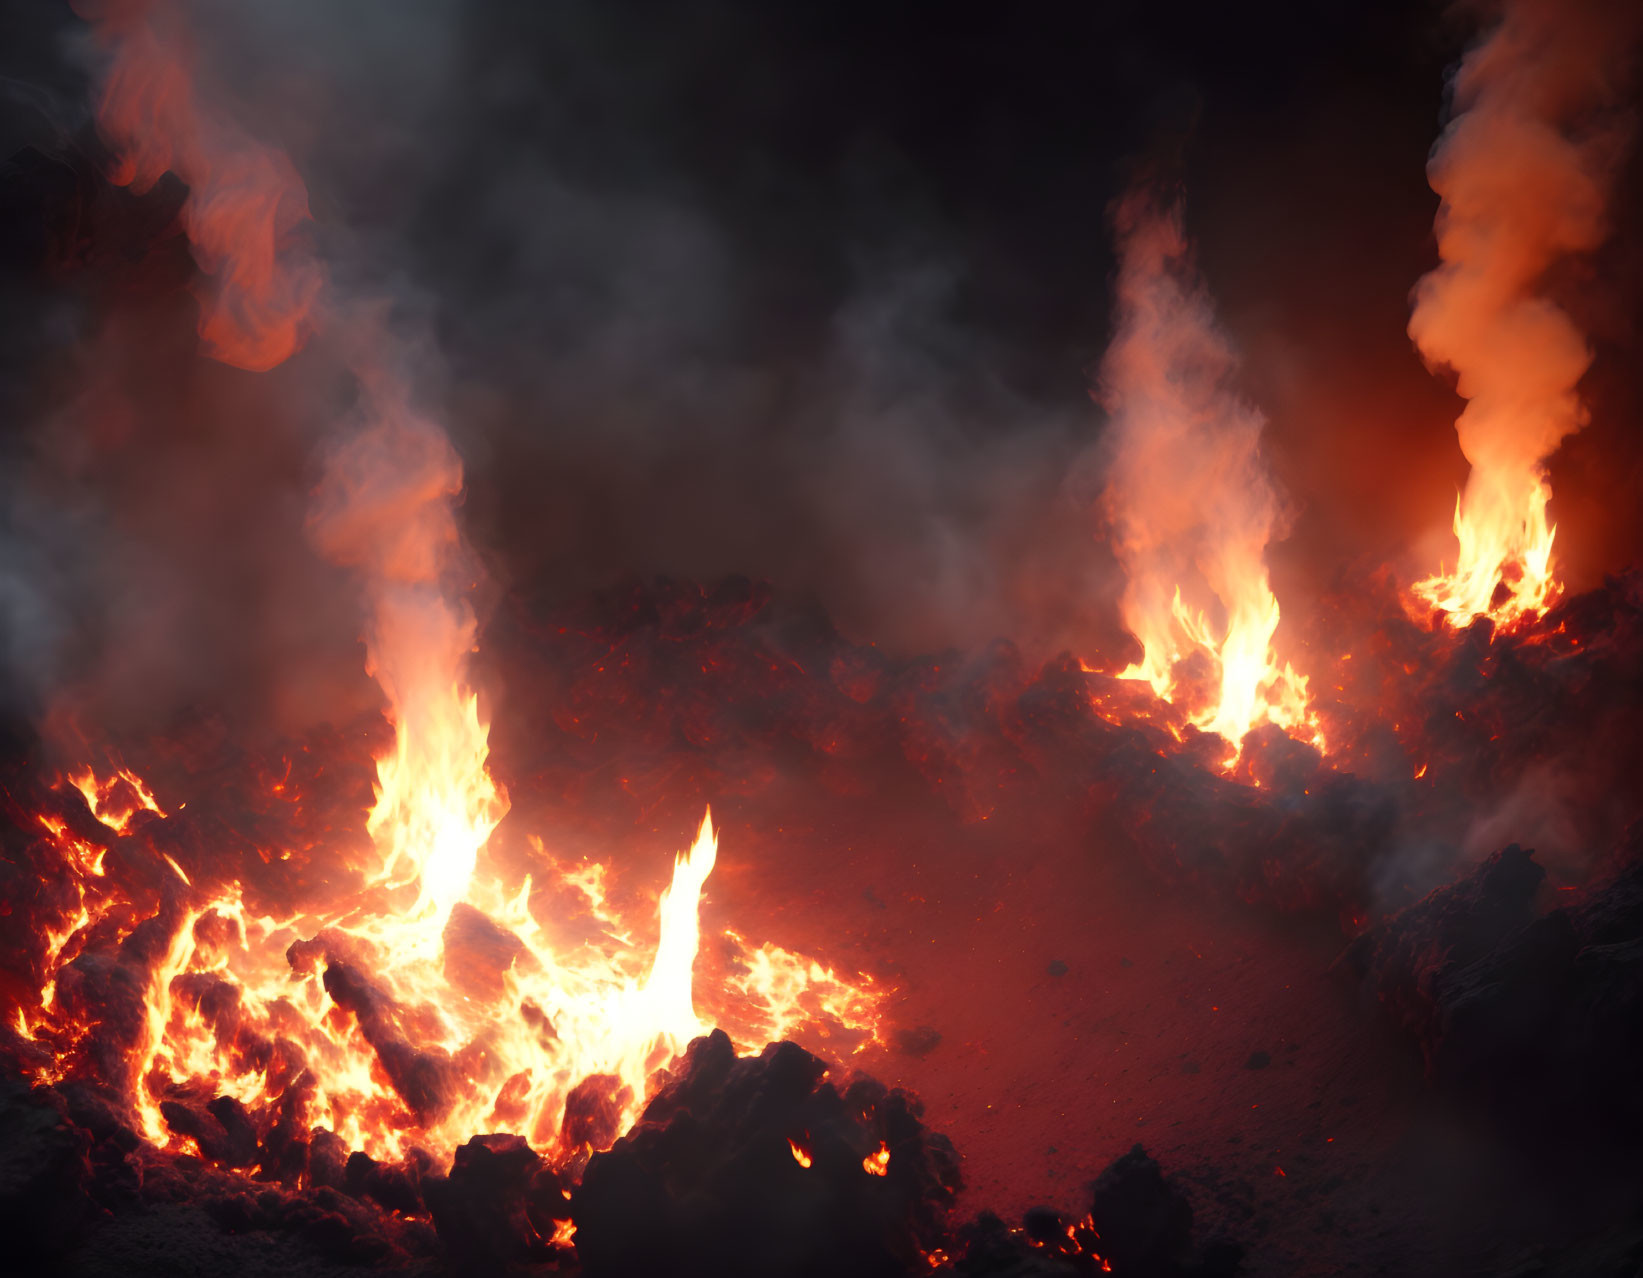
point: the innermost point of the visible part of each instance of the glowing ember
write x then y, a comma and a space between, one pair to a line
116, 800
878, 1162
801, 1155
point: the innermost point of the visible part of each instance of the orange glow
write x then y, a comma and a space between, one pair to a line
801, 1155
878, 1162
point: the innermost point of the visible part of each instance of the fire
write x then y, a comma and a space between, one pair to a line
778, 992
878, 1162
1523, 171
1505, 566
801, 1155
371, 1006
1189, 499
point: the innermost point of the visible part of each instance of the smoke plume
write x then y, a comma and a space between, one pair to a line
1189, 497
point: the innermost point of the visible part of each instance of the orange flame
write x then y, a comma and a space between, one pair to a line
878, 1162
801, 1155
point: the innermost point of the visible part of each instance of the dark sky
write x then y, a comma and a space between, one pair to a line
811, 292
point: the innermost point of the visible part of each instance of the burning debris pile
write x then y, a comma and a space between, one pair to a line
758, 1165
1139, 1222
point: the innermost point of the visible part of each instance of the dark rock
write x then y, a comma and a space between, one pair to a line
478, 953
327, 1159
220, 1128
593, 1112
1531, 1018
917, 1042
1144, 1221
391, 1188
423, 1078
483, 1211
707, 1184
1139, 1223
45, 1173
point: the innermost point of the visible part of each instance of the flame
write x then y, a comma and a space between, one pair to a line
878, 1162
801, 1155
1190, 501
1504, 570
778, 992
